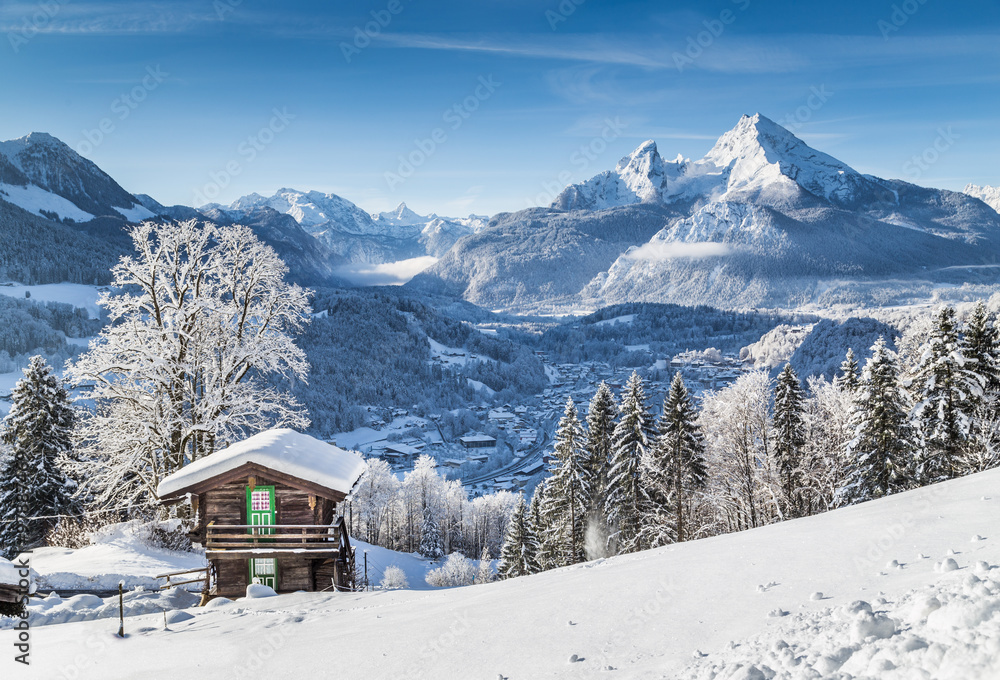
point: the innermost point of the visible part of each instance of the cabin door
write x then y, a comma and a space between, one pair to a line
261, 513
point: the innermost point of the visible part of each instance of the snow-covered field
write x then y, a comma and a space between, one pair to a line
118, 554
74, 294
904, 587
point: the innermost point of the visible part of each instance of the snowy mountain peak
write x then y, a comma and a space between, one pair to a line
987, 194
758, 152
402, 215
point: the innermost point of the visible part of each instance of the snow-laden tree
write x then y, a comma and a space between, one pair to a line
982, 344
373, 501
201, 326
849, 377
568, 489
673, 470
600, 432
828, 413
736, 423
457, 570
631, 440
485, 572
519, 554
33, 483
431, 541
422, 488
536, 527
882, 453
789, 439
945, 387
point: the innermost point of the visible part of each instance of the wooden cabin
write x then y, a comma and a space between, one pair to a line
267, 512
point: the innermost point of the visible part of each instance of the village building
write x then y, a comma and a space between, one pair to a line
478, 441
267, 512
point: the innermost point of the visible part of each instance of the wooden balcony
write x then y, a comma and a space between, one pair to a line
240, 541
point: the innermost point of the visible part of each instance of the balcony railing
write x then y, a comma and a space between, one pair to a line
258, 539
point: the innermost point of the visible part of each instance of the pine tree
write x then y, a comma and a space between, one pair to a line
600, 431
789, 438
518, 555
673, 469
431, 543
946, 388
568, 490
981, 344
535, 524
880, 455
32, 484
631, 441
848, 380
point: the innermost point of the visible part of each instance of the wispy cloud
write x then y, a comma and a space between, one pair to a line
81, 18
388, 274
676, 250
731, 54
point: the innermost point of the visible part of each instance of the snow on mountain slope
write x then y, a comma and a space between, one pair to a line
42, 161
758, 153
988, 195
643, 177
137, 213
313, 210
756, 156
39, 201
895, 588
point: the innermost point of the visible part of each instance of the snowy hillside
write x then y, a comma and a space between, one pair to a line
39, 172
903, 587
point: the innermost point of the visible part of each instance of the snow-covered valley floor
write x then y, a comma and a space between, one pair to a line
904, 587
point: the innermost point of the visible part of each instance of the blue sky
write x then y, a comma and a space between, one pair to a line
499, 103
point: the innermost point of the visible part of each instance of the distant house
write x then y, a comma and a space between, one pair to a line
478, 441
501, 417
401, 449
452, 463
267, 512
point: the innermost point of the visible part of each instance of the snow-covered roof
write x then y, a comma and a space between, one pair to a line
477, 438
283, 450
8, 573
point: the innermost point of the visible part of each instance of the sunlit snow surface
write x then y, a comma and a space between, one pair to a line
645, 615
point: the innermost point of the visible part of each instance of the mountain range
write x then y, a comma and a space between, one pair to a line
762, 220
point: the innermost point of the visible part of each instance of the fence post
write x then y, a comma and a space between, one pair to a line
121, 609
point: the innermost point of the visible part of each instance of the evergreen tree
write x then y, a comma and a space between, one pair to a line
630, 442
600, 431
880, 455
431, 543
980, 343
518, 555
536, 528
946, 388
789, 439
849, 379
32, 484
568, 490
673, 469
